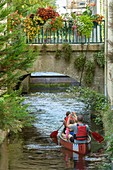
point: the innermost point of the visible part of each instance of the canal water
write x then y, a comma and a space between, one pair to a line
33, 149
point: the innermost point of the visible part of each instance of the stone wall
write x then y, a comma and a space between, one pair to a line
47, 62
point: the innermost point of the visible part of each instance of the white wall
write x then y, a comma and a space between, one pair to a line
109, 65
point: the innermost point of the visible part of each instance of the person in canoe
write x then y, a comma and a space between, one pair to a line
81, 130
69, 119
65, 121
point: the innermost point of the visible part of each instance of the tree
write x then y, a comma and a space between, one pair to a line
15, 58
30, 6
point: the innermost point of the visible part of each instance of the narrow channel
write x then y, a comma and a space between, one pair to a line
33, 148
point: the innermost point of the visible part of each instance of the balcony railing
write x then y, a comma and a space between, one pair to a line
68, 34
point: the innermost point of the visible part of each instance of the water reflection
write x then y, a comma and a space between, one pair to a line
33, 149
74, 160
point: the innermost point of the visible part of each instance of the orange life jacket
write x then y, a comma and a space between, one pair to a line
66, 119
81, 133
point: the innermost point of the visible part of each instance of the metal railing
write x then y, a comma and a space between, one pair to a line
68, 34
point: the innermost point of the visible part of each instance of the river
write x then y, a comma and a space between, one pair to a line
33, 148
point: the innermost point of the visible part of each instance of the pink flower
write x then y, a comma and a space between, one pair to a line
74, 27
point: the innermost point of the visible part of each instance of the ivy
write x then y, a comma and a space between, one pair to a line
79, 62
67, 52
89, 72
100, 58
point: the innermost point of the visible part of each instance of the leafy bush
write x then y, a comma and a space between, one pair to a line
99, 104
13, 114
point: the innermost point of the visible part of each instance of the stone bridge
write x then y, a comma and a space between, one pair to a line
51, 58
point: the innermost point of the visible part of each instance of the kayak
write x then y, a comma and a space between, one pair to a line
80, 148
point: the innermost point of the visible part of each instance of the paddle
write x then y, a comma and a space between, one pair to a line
55, 133
97, 137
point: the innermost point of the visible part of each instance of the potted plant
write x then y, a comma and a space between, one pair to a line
47, 13
54, 23
31, 27
97, 19
46, 17
83, 25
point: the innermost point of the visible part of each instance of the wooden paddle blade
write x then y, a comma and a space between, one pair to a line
55, 140
54, 134
97, 137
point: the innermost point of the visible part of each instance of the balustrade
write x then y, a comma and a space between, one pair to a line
68, 34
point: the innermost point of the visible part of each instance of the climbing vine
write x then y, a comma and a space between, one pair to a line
89, 72
79, 62
67, 52
89, 66
100, 58
82, 62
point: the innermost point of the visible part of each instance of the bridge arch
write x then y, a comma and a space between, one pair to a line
47, 62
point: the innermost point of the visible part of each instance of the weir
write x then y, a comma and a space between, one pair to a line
48, 62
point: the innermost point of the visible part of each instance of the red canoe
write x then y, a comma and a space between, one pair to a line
81, 148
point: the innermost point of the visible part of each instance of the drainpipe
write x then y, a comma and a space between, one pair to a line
106, 47
66, 6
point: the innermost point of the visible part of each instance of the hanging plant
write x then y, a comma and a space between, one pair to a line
54, 24
79, 62
47, 13
30, 27
89, 72
84, 25
67, 52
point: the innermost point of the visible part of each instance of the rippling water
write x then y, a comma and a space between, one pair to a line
50, 109
34, 150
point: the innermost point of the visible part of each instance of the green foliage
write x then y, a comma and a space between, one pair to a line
107, 118
67, 52
100, 58
54, 24
30, 6
13, 114
84, 25
96, 102
79, 62
99, 105
89, 68
89, 72
15, 59
15, 56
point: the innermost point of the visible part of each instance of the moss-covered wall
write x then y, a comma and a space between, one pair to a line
52, 58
